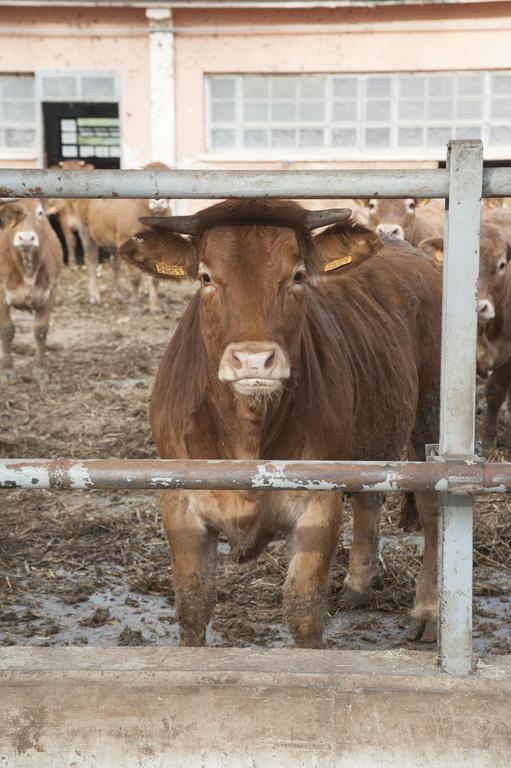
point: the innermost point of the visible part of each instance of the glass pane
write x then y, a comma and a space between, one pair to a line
312, 111
468, 132
439, 136
344, 137
347, 87
19, 137
377, 137
255, 111
471, 85
345, 111
440, 110
377, 111
69, 150
113, 151
222, 87
98, 88
312, 87
411, 110
17, 86
410, 137
469, 109
501, 84
283, 111
67, 125
223, 137
284, 87
412, 86
501, 135
69, 137
283, 138
19, 111
89, 151
255, 87
441, 85
253, 139
501, 108
378, 86
223, 111
59, 88
312, 138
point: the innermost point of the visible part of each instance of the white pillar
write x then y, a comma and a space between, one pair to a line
161, 85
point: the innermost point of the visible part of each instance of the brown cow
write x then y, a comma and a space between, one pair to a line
409, 219
493, 319
107, 224
69, 220
30, 263
293, 348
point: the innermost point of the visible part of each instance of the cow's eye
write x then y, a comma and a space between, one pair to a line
412, 205
39, 211
206, 280
372, 205
501, 267
299, 277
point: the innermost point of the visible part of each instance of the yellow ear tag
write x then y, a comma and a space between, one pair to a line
439, 255
337, 263
170, 269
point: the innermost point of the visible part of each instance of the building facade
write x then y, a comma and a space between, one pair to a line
259, 84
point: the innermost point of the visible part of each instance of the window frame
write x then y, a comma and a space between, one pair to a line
329, 153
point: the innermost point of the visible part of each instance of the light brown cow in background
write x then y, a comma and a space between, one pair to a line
409, 219
30, 263
107, 224
66, 210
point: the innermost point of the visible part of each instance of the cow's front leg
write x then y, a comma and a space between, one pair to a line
315, 537
193, 546
135, 282
7, 331
41, 321
154, 298
363, 567
423, 620
91, 258
115, 266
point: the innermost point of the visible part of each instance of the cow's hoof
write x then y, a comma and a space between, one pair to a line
41, 374
422, 630
349, 599
94, 300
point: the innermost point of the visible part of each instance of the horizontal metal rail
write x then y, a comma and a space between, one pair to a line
460, 477
220, 184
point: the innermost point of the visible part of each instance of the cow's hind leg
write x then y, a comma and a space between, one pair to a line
363, 568
424, 614
495, 394
91, 258
41, 321
315, 538
7, 331
193, 546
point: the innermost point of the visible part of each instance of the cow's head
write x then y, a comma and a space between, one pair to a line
24, 221
392, 217
494, 256
257, 261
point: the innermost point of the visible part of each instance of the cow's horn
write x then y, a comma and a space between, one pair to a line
182, 225
315, 219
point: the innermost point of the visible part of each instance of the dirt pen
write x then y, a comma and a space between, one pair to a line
90, 568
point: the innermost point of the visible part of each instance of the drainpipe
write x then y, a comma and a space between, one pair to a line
162, 85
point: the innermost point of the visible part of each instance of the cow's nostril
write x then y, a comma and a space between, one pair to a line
235, 361
270, 361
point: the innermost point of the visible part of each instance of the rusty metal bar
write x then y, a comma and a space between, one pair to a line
458, 477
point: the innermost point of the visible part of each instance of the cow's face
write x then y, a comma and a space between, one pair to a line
494, 256
392, 217
254, 282
24, 222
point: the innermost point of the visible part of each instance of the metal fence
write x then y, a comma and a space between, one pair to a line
456, 473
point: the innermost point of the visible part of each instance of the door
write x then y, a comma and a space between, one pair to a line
82, 131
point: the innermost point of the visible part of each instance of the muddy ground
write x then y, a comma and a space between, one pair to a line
94, 568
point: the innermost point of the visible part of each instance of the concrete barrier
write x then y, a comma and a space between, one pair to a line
237, 708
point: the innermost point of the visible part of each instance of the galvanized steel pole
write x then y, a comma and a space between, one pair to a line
458, 392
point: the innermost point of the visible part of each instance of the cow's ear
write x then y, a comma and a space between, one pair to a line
422, 200
341, 248
53, 206
11, 215
161, 254
362, 201
433, 247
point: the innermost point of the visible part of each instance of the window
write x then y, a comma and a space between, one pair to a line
17, 113
90, 137
79, 86
364, 114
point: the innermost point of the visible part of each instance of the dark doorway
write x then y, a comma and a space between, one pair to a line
82, 131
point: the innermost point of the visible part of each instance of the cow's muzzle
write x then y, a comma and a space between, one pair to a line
254, 367
392, 230
485, 310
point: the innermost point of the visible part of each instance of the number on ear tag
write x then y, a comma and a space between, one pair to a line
170, 269
337, 263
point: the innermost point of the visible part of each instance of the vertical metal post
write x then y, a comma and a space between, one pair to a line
458, 391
